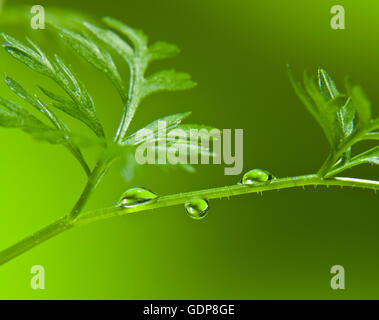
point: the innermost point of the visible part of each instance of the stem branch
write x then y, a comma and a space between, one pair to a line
64, 223
93, 179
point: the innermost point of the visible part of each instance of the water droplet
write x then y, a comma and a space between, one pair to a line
136, 196
256, 175
197, 208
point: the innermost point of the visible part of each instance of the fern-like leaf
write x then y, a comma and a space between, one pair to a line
94, 53
62, 75
138, 56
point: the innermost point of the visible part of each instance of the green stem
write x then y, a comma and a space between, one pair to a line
177, 199
136, 77
35, 239
359, 135
79, 156
93, 179
326, 165
226, 192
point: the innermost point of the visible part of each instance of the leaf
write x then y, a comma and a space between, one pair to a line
129, 166
167, 80
370, 156
345, 114
327, 112
327, 84
22, 93
34, 59
371, 136
171, 121
333, 111
162, 50
113, 40
17, 117
346, 117
187, 127
196, 131
182, 166
79, 95
362, 105
190, 147
138, 56
95, 54
137, 37
62, 75
45, 133
9, 119
69, 107
304, 98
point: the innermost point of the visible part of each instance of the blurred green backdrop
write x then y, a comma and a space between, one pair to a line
279, 246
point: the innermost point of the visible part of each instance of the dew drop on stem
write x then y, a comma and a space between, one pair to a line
197, 208
135, 197
256, 176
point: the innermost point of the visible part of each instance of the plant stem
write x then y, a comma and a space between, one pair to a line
177, 199
137, 70
35, 239
359, 135
79, 156
226, 192
94, 178
63, 223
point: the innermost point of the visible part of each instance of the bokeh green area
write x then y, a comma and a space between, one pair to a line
278, 246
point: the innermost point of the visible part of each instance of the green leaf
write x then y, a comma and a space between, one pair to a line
138, 56
113, 40
303, 96
22, 93
137, 37
371, 136
181, 166
69, 107
171, 121
327, 112
61, 74
129, 166
327, 85
346, 116
17, 117
190, 147
79, 95
370, 156
62, 132
333, 111
346, 111
9, 119
203, 131
95, 54
167, 80
362, 104
34, 59
187, 127
162, 50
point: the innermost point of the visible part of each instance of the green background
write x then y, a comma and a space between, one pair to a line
278, 246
